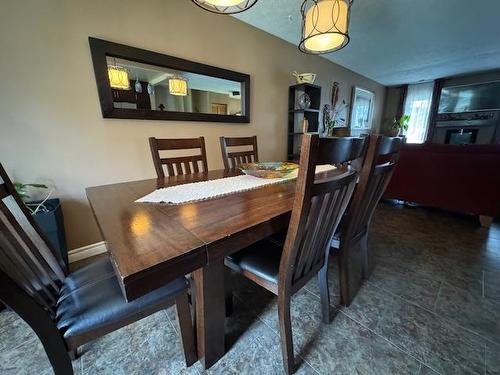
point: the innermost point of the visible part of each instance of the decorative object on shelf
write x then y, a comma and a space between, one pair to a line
177, 85
268, 169
304, 101
304, 77
118, 77
225, 6
400, 126
334, 117
361, 111
151, 89
335, 93
325, 25
137, 86
305, 125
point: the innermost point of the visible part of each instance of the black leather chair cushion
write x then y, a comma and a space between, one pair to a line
91, 299
262, 259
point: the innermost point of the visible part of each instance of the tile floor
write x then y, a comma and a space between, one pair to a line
431, 306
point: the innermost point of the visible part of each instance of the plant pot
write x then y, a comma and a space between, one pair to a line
341, 132
51, 223
395, 132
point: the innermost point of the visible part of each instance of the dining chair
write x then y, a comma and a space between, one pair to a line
319, 203
180, 164
65, 309
351, 241
232, 159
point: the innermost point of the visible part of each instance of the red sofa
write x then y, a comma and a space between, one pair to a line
462, 178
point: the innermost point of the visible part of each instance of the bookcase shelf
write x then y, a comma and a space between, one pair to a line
297, 115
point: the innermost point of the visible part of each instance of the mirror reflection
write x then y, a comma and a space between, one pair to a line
148, 87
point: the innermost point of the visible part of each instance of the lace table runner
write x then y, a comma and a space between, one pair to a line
198, 191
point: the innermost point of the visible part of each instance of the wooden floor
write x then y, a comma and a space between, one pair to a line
431, 306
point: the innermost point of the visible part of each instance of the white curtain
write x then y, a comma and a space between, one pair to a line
418, 105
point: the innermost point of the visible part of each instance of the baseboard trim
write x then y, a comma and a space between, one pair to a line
86, 252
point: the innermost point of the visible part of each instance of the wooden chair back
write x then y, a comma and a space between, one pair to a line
235, 158
319, 205
28, 263
375, 174
180, 164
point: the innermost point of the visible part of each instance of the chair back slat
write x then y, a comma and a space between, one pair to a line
26, 256
23, 284
32, 239
376, 172
232, 159
181, 164
14, 244
26, 275
319, 204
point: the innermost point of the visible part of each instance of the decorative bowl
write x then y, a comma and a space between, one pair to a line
304, 77
268, 169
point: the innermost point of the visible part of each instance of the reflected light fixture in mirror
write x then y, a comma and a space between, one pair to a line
225, 6
325, 25
177, 86
118, 77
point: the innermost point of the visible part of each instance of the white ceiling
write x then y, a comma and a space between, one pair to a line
401, 41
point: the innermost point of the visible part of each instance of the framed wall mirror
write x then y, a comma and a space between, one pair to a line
138, 84
361, 111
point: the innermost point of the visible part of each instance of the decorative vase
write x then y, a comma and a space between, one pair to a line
304, 101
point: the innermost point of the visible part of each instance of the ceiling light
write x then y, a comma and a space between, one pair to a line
325, 25
118, 77
225, 6
177, 86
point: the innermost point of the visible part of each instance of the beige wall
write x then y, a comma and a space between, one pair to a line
50, 119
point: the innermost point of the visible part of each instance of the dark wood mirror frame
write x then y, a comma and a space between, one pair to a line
101, 48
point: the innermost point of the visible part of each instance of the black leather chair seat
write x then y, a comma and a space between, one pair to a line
91, 299
262, 259
91, 273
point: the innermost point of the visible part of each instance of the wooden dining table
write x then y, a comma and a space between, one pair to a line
152, 244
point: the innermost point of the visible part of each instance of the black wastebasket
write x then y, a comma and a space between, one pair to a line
52, 224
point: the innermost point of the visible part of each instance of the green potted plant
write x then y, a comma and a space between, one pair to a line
400, 126
47, 213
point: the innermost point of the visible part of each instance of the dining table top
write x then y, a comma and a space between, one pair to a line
151, 244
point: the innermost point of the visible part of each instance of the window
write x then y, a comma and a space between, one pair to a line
418, 106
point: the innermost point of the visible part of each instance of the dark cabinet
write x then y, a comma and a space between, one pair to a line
142, 99
297, 113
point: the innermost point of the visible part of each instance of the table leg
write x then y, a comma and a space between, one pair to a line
210, 312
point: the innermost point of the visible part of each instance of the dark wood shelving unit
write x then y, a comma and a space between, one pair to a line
297, 115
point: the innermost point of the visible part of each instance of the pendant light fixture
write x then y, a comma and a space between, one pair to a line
177, 86
225, 6
118, 77
325, 25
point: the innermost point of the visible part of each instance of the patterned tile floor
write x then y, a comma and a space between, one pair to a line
431, 306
